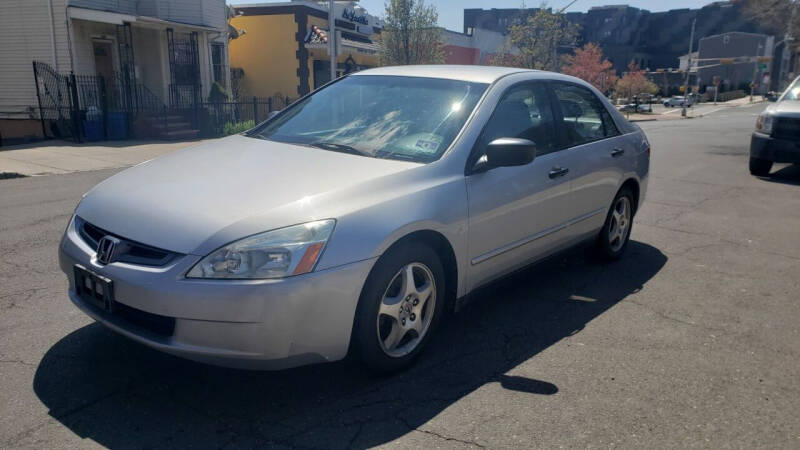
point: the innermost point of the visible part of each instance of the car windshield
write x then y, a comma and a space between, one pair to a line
793, 92
395, 117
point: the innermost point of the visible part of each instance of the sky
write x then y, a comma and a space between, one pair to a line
451, 12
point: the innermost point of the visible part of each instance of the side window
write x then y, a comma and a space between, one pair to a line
585, 117
524, 112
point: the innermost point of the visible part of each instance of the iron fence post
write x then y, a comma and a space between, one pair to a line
39, 99
75, 106
104, 107
269, 104
255, 109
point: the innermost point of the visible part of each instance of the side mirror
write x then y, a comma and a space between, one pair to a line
506, 152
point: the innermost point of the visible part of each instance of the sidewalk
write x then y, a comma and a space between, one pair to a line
54, 157
696, 111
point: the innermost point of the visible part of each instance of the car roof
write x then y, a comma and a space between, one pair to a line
475, 74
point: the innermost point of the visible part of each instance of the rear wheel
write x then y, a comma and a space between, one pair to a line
760, 167
615, 234
401, 304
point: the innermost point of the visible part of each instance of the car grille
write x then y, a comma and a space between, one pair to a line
786, 128
133, 253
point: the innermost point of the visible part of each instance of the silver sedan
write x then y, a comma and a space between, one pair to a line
351, 220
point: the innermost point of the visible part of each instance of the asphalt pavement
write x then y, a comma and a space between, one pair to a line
691, 340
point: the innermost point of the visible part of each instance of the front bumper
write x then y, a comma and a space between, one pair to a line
257, 324
765, 147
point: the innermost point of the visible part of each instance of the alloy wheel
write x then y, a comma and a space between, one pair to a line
406, 310
620, 223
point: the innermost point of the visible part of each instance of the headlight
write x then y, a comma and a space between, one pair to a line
279, 253
764, 123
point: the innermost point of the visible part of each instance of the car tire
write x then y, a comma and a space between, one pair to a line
613, 239
760, 167
389, 306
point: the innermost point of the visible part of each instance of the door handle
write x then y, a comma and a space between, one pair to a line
556, 172
617, 152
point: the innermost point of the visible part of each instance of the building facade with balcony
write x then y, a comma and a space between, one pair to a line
123, 53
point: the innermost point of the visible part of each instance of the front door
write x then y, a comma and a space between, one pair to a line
516, 214
103, 60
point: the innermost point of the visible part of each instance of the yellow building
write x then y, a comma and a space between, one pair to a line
284, 49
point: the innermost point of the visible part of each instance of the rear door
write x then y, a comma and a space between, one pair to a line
598, 152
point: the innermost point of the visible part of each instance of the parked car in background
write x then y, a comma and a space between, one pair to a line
777, 134
634, 108
679, 100
355, 217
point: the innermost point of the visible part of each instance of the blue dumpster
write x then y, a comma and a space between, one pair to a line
117, 127
93, 124
93, 130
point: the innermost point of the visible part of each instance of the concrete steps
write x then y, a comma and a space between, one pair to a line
174, 126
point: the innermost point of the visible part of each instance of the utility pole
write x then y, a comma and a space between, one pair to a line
787, 40
688, 70
755, 72
555, 38
332, 36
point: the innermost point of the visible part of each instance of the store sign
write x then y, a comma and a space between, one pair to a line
352, 16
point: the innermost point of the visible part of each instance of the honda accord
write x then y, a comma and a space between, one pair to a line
352, 220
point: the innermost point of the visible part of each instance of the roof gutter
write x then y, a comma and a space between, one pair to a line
52, 33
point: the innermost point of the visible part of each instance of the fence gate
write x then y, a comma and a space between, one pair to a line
58, 102
184, 70
127, 73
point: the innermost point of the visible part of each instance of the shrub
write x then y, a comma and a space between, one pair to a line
237, 127
218, 93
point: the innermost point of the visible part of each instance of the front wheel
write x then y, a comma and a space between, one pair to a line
615, 234
760, 167
402, 302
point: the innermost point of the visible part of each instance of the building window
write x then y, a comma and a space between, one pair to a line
218, 62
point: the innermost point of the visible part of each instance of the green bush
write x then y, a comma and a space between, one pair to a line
237, 127
218, 93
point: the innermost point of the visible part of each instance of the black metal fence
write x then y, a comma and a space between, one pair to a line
57, 102
90, 107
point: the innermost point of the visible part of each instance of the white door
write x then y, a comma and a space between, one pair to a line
516, 214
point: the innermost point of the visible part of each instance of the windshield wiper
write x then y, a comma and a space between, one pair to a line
344, 148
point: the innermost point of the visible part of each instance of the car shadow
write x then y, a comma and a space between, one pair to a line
789, 174
122, 394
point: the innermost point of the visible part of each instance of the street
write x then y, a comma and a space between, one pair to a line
691, 340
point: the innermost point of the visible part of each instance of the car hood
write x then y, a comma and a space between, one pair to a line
182, 200
785, 108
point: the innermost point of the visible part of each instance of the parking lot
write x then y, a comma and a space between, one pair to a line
691, 340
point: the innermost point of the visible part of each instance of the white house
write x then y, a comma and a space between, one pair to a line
161, 50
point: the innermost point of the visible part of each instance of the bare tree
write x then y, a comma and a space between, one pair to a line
410, 34
536, 40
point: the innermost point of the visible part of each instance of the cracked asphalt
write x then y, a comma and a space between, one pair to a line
690, 341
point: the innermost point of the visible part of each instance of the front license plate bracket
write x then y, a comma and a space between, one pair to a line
94, 288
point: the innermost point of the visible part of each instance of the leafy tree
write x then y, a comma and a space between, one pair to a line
533, 43
410, 34
633, 83
588, 64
